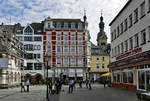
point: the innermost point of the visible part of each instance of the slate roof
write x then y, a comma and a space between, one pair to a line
38, 28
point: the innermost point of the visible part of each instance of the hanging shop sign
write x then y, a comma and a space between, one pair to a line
3, 62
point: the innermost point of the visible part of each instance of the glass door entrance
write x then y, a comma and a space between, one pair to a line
143, 79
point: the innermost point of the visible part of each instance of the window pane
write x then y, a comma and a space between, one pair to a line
141, 79
136, 15
142, 9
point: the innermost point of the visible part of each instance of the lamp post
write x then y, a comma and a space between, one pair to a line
47, 59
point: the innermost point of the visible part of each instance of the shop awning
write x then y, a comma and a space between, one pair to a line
105, 75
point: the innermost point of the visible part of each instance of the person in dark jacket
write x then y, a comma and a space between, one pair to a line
50, 84
104, 82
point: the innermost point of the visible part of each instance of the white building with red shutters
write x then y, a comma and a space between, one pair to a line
67, 44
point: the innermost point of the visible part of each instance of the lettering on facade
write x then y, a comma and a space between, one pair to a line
138, 50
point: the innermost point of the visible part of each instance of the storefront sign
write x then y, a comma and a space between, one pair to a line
129, 53
136, 58
3, 62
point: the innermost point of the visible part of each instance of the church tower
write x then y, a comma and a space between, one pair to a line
101, 36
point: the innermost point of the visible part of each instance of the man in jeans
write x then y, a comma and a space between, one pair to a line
27, 84
71, 84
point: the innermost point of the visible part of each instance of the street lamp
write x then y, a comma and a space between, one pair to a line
46, 66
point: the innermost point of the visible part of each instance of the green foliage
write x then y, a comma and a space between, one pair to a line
148, 87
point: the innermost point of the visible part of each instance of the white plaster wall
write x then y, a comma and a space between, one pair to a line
137, 27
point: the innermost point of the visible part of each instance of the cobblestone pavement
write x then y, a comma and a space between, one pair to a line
37, 93
98, 93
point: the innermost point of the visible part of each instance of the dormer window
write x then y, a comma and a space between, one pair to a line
79, 25
28, 31
65, 25
73, 25
58, 25
49, 25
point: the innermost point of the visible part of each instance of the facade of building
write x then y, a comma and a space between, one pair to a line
100, 54
66, 43
130, 47
32, 38
10, 57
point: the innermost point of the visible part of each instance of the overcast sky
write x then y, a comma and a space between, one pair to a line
27, 11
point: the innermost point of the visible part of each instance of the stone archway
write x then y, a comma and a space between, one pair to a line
38, 78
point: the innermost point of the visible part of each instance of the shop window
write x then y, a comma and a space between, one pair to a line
116, 76
141, 79
128, 76
125, 77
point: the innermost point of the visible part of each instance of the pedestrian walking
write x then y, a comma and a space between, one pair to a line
71, 84
80, 83
50, 86
89, 82
104, 82
22, 86
86, 82
27, 84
